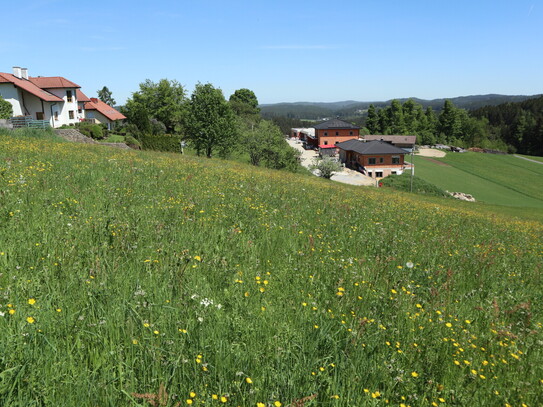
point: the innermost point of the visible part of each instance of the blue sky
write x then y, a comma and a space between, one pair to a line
285, 51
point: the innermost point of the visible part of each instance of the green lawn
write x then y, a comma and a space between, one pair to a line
493, 179
532, 157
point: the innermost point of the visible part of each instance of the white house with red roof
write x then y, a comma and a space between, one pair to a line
53, 99
101, 112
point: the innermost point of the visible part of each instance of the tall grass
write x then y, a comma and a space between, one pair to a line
135, 277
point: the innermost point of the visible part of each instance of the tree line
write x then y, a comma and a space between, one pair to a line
512, 127
208, 123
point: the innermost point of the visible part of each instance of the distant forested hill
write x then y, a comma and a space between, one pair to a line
518, 124
318, 111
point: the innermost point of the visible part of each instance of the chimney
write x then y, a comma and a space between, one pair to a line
17, 72
24, 73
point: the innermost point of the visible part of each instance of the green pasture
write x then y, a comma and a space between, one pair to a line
134, 278
494, 179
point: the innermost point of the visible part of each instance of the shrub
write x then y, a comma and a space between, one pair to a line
165, 142
420, 186
6, 110
326, 167
93, 131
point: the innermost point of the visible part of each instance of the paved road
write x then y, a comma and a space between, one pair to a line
347, 176
528, 159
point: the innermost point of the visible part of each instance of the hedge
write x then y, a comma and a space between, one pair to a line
164, 142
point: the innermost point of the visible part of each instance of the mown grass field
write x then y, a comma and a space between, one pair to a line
133, 277
494, 179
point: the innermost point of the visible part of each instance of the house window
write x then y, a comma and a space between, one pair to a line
395, 159
325, 133
56, 116
39, 115
326, 143
350, 133
381, 160
378, 174
371, 160
71, 114
69, 96
79, 110
337, 133
337, 142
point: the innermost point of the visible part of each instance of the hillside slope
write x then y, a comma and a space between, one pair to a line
495, 179
130, 276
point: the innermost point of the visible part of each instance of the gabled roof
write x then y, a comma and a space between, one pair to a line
52, 82
393, 139
105, 109
81, 97
370, 148
29, 87
335, 124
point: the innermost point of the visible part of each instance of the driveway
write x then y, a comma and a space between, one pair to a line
347, 176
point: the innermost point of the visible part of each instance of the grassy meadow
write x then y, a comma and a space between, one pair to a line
133, 278
494, 179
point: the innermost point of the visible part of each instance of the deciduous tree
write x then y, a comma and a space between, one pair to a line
164, 101
210, 121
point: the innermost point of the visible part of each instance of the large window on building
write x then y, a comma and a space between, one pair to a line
71, 114
371, 160
69, 96
395, 159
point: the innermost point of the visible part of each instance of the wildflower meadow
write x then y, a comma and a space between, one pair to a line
133, 278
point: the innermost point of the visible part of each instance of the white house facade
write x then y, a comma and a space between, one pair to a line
55, 99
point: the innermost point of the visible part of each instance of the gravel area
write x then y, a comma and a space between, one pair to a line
347, 176
431, 152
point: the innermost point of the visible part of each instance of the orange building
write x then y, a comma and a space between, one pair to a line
332, 132
376, 159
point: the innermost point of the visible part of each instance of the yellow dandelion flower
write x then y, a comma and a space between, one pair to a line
189, 401
214, 397
192, 394
134, 341
448, 325
262, 289
146, 325
30, 320
248, 380
11, 311
59, 309
31, 301
260, 405
441, 400
156, 332
376, 395
223, 399
414, 374
277, 403
197, 258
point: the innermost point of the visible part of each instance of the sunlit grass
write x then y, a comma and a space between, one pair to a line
130, 276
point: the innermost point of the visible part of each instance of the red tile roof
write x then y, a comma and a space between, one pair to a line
29, 87
106, 110
81, 97
52, 82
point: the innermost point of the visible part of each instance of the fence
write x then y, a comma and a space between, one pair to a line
27, 121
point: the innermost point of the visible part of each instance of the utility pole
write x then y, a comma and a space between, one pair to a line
412, 168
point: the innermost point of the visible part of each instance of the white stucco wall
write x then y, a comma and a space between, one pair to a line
64, 108
9, 93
